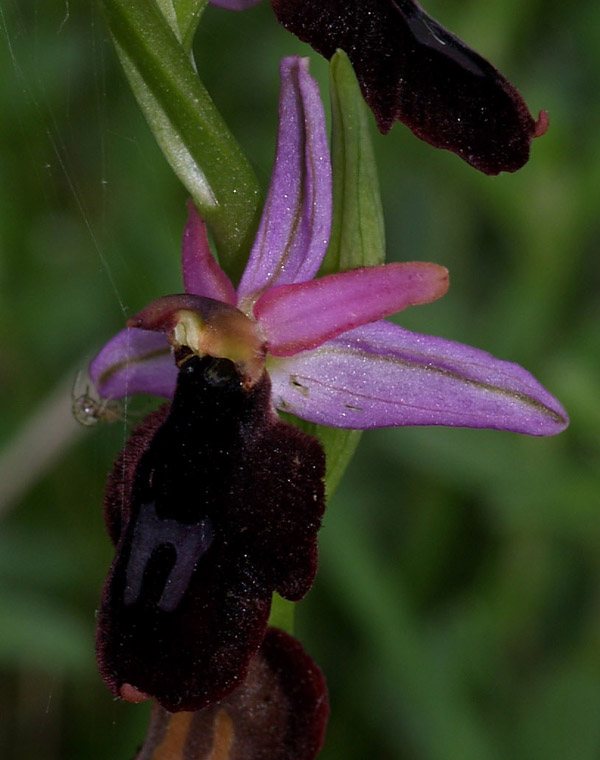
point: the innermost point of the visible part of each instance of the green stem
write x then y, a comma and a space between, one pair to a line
189, 129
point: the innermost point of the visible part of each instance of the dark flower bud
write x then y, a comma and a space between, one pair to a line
279, 712
213, 505
413, 70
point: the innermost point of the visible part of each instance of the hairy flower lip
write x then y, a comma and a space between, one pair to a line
213, 504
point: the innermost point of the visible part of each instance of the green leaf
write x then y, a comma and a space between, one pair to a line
168, 11
188, 14
183, 16
189, 129
357, 233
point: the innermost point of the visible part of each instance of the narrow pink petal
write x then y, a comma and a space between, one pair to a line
202, 276
134, 361
298, 317
234, 5
381, 375
296, 221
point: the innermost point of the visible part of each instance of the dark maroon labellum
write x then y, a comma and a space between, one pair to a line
213, 504
279, 712
413, 70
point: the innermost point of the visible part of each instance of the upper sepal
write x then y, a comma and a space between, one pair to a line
296, 220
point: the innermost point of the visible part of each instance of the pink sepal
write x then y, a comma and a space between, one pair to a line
381, 375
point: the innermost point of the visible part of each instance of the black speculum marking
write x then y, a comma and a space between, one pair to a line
222, 506
189, 541
412, 69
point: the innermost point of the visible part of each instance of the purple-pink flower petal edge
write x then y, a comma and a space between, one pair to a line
134, 361
294, 230
381, 375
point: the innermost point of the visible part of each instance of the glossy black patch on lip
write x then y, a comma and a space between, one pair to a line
413, 70
213, 504
279, 712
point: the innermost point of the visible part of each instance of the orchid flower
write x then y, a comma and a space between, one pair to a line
410, 68
331, 356
186, 603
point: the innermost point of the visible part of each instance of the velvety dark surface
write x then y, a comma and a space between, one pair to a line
413, 70
279, 712
222, 506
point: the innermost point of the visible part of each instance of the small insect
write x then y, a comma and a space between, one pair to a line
89, 410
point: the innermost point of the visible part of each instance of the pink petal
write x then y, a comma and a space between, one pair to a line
202, 276
134, 361
381, 375
298, 317
296, 221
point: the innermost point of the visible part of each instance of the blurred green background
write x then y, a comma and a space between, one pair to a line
457, 609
